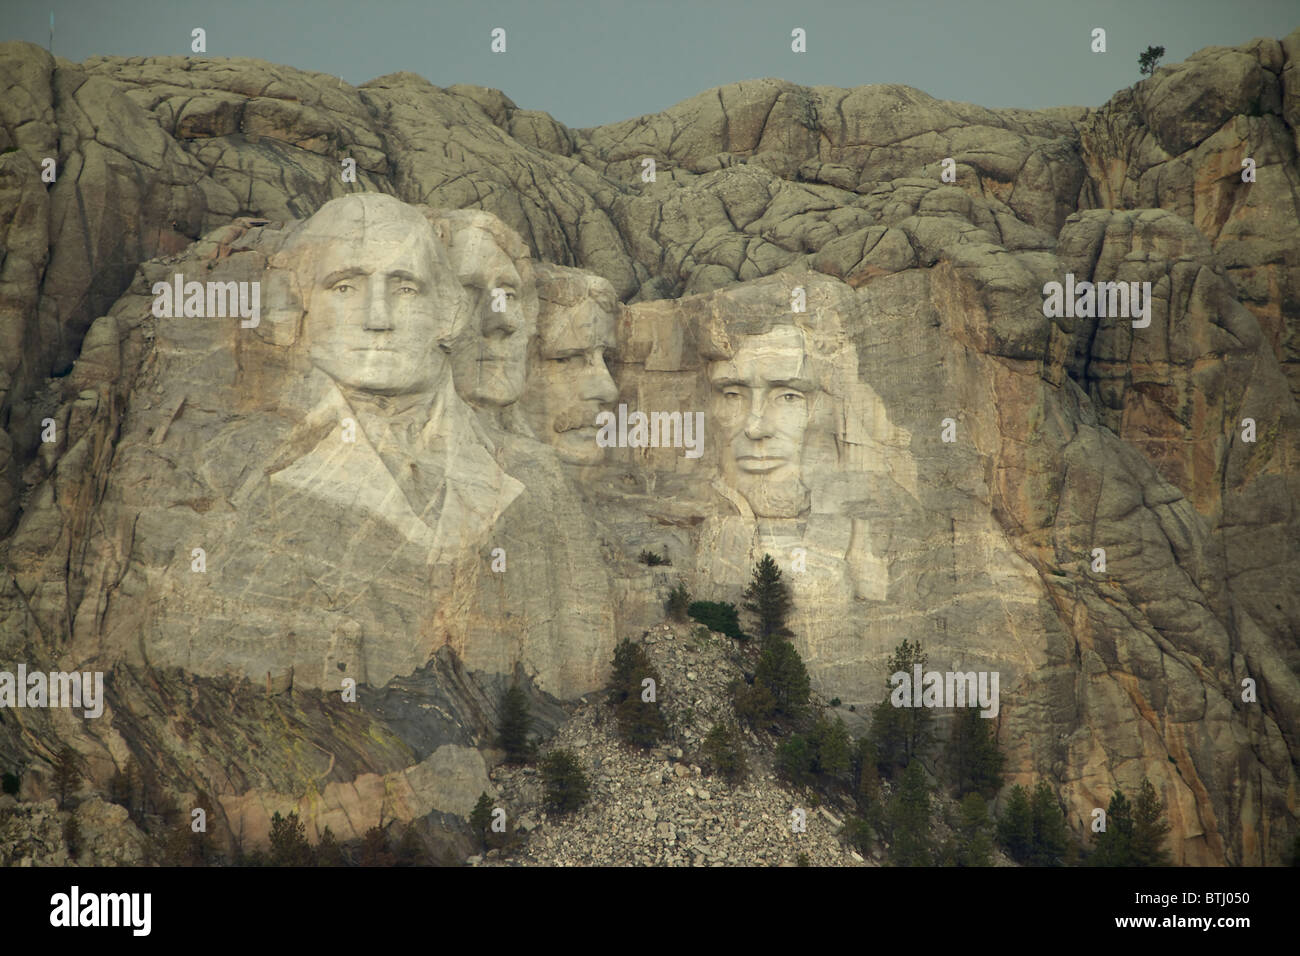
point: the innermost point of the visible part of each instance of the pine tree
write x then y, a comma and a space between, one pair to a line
768, 598
832, 749
177, 847
724, 753
516, 722
124, 785
901, 733
794, 759
753, 703
1114, 845
328, 851
66, 775
1051, 840
630, 663
1149, 59
640, 721
410, 849
1149, 828
860, 833
974, 846
567, 787
781, 670
909, 820
974, 761
480, 819
289, 845
866, 778
1016, 827
374, 849
719, 616
679, 600
72, 836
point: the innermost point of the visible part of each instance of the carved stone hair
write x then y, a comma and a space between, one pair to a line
457, 219
563, 287
289, 277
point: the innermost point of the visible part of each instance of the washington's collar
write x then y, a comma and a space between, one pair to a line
438, 428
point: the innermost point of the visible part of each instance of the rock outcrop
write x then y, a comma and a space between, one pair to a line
834, 299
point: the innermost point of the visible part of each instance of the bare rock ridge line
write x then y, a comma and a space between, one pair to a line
391, 470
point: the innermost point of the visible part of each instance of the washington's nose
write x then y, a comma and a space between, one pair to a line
378, 317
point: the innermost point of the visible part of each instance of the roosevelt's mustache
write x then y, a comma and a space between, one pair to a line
575, 417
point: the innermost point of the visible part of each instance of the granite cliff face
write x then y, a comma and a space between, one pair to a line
800, 272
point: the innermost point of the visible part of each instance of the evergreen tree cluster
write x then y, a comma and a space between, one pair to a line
289, 846
825, 752
972, 843
911, 843
640, 721
724, 754
973, 760
718, 616
1032, 828
1135, 831
778, 696
567, 786
900, 733
679, 602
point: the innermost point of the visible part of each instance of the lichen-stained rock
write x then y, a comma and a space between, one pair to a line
1180, 141
1169, 446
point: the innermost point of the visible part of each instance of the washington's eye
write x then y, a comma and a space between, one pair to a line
731, 394
344, 288
791, 397
407, 290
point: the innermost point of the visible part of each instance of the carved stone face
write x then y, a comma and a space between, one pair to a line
378, 305
570, 379
761, 404
490, 361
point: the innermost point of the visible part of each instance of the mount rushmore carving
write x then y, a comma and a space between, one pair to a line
415, 374
463, 393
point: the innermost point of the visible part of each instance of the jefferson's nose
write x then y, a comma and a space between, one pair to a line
506, 322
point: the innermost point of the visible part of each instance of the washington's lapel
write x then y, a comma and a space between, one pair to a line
351, 476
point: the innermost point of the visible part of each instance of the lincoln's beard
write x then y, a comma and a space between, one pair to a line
784, 496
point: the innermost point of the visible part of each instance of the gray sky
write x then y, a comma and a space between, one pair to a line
588, 62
